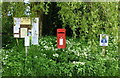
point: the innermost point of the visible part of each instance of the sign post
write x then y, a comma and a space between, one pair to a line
26, 50
104, 43
27, 43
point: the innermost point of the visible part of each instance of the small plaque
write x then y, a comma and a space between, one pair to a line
25, 21
103, 40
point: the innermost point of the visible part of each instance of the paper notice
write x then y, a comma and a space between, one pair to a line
15, 29
23, 32
35, 40
25, 20
16, 35
61, 42
17, 21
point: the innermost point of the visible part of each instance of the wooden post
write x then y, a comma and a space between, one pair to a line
17, 41
27, 43
26, 49
103, 50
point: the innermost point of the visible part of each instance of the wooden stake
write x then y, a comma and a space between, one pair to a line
103, 50
17, 41
26, 50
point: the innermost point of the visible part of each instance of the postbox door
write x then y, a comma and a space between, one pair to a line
61, 41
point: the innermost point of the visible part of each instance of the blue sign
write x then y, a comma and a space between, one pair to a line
104, 40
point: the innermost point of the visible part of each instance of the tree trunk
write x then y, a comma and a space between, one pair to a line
38, 13
40, 23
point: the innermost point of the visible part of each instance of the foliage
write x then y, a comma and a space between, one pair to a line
83, 18
82, 56
86, 19
78, 59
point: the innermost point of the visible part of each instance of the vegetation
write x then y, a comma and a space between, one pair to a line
78, 59
84, 22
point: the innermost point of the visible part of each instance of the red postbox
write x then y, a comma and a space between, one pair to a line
61, 38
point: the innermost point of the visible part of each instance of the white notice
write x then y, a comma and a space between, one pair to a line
61, 42
16, 29
103, 40
27, 41
23, 32
16, 35
17, 21
35, 40
35, 31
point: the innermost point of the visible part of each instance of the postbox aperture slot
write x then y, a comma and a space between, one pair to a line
61, 32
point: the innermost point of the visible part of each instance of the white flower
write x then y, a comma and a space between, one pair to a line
55, 55
67, 41
85, 54
45, 46
12, 50
55, 49
7, 51
1, 50
44, 54
4, 63
78, 54
6, 56
81, 63
69, 49
50, 60
41, 49
35, 57
74, 62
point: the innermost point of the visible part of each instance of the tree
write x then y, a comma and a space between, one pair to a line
90, 19
37, 10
